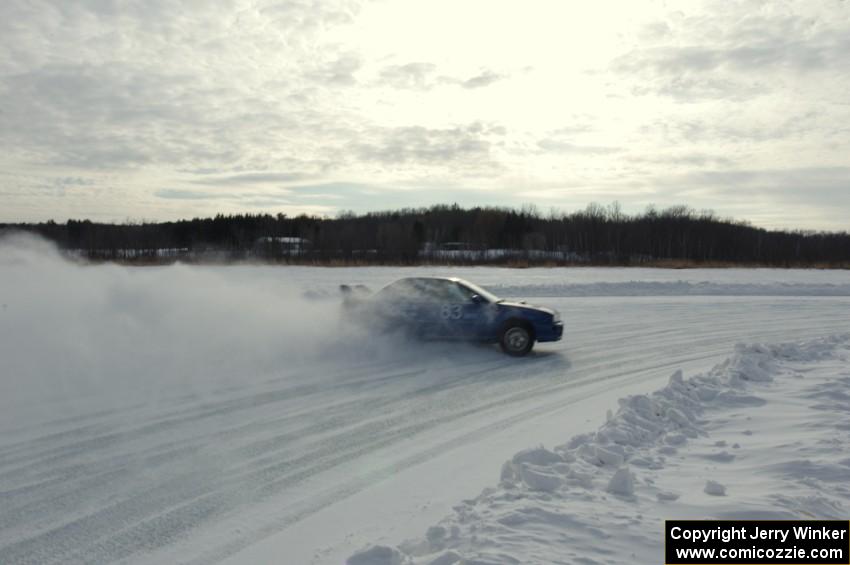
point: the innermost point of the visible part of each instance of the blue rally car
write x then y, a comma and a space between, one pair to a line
452, 308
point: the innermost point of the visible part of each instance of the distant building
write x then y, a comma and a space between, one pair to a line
276, 245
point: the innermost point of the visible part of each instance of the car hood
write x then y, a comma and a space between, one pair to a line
525, 306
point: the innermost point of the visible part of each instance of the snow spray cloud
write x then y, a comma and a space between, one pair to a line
78, 338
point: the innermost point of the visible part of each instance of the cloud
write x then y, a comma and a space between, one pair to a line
801, 196
793, 183
169, 109
339, 72
187, 85
561, 146
251, 178
62, 185
113, 116
679, 159
414, 76
486, 78
461, 147
277, 197
733, 54
419, 75
179, 194
737, 127
336, 188
310, 15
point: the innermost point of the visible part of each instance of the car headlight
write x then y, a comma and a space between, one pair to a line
556, 317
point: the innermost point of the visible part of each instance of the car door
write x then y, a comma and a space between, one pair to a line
399, 306
475, 312
457, 313
415, 308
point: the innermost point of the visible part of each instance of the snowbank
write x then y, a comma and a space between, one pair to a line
762, 435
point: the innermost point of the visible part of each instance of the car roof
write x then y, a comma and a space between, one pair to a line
427, 278
424, 278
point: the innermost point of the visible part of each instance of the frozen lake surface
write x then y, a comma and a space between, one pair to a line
207, 414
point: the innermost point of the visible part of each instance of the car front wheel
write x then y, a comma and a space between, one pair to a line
516, 340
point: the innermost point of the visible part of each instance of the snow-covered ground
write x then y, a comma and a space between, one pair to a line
208, 414
764, 435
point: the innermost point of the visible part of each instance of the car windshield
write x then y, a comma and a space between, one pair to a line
488, 296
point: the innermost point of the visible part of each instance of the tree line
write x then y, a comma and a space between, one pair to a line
449, 233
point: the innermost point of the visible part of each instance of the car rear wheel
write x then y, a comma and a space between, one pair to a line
516, 339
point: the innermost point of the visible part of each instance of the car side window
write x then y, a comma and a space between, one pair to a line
419, 290
436, 291
400, 290
462, 293
446, 292
429, 290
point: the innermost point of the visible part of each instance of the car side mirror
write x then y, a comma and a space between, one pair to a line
477, 299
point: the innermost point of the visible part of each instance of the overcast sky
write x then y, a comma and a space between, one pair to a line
162, 109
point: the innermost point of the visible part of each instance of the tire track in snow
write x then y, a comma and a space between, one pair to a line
407, 431
126, 524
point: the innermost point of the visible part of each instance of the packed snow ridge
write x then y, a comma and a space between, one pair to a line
763, 435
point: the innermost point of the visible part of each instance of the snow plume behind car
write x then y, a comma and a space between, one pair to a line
74, 337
